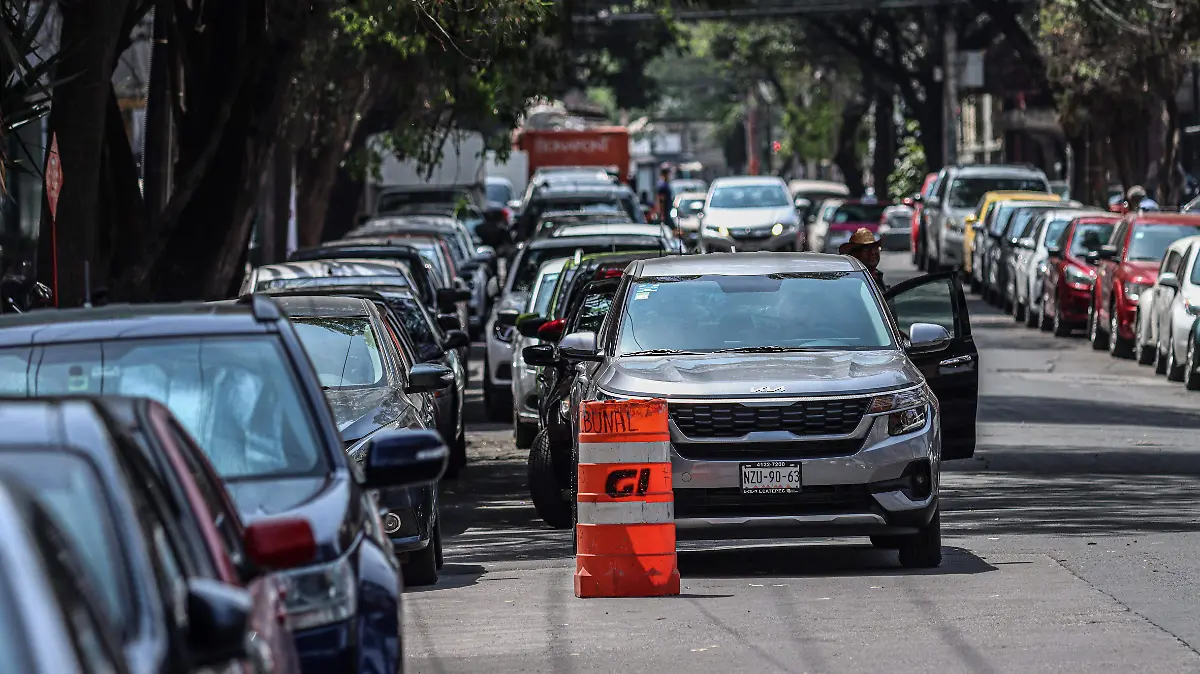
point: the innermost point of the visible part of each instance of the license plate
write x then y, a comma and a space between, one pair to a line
770, 477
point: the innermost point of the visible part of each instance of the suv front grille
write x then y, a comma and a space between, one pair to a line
768, 451
805, 417
814, 500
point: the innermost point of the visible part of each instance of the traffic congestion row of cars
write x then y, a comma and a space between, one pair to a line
803, 398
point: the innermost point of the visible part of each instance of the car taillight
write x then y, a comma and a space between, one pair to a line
552, 331
611, 272
281, 543
507, 215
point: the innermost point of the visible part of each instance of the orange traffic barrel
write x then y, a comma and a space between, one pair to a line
625, 522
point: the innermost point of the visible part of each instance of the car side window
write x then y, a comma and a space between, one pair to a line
930, 302
1118, 239
405, 351
1168, 262
1178, 266
225, 521
592, 313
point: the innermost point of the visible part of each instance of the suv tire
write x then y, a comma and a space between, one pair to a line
421, 567
923, 550
1118, 346
544, 489
1191, 378
524, 434
497, 401
1175, 369
1096, 336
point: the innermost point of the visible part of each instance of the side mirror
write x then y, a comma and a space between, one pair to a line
1169, 280
468, 267
927, 337
515, 205
1092, 257
218, 616
700, 214
507, 317
528, 324
449, 322
1054, 252
428, 377
407, 458
448, 297
456, 339
279, 543
1027, 243
485, 254
552, 331
970, 219
1106, 252
493, 288
580, 346
539, 355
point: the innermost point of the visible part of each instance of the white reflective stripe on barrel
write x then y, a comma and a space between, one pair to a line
624, 452
633, 512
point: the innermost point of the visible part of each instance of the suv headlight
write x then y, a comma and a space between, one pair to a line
781, 227
504, 333
906, 410
1134, 290
320, 595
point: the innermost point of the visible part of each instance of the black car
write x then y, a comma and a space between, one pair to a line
138, 536
53, 619
551, 459
422, 339
237, 378
997, 243
568, 197
551, 221
372, 384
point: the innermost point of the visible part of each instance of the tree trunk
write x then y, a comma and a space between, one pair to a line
885, 142
124, 216
1168, 178
1077, 139
845, 155
929, 114
89, 37
346, 198
1097, 178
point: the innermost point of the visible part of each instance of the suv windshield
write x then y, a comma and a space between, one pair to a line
237, 396
803, 311
544, 293
1149, 242
499, 192
1089, 237
859, 213
527, 267
966, 192
750, 196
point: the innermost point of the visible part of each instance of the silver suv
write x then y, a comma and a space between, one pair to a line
802, 400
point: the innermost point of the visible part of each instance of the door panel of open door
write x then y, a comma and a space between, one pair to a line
952, 372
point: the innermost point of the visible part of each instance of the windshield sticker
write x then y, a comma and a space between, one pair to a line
77, 381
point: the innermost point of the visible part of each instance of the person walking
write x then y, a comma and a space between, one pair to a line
864, 247
664, 197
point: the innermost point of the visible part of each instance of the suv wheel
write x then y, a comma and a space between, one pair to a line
421, 567
923, 550
1034, 319
1118, 346
525, 434
1191, 378
1175, 369
1097, 336
497, 400
1145, 352
1019, 311
1160, 360
544, 488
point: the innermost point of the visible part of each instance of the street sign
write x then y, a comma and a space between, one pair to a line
54, 176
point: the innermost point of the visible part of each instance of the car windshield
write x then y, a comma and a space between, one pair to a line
859, 213
1055, 228
803, 311
414, 318
1019, 222
1089, 237
432, 254
966, 192
237, 396
544, 293
1003, 216
325, 281
594, 309
750, 196
499, 192
412, 201
344, 351
690, 206
70, 490
1149, 242
527, 267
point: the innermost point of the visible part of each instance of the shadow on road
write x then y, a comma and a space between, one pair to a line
1089, 412
803, 561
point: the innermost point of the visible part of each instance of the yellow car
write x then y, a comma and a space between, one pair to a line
985, 204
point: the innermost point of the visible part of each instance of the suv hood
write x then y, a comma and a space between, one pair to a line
738, 375
749, 217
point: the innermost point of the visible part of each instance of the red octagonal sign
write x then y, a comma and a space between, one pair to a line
54, 176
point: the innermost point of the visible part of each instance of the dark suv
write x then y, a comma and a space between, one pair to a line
239, 382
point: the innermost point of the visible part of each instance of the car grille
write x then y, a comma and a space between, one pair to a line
731, 420
750, 233
814, 500
756, 451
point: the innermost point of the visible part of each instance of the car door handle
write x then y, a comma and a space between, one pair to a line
956, 361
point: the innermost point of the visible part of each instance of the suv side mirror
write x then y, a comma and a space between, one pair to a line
970, 219
507, 317
580, 346
927, 337
448, 297
456, 339
1169, 280
484, 254
528, 324
1107, 252
218, 616
1027, 243
428, 377
1054, 252
918, 198
449, 322
539, 355
407, 458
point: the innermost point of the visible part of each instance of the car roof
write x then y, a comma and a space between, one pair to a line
324, 306
334, 267
980, 170
1180, 245
497, 180
1010, 195
400, 222
128, 321
552, 266
626, 228
565, 189
1166, 218
745, 264
690, 195
1072, 213
748, 180
821, 185
50, 422
581, 241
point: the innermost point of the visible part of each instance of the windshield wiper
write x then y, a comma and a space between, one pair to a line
763, 349
659, 352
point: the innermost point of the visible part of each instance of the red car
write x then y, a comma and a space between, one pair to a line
1067, 285
915, 231
1126, 266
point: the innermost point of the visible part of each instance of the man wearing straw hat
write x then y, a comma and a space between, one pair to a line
865, 247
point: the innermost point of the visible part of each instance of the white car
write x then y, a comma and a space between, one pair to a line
757, 212
1167, 310
524, 377
1032, 258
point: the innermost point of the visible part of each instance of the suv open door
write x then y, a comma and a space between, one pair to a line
953, 371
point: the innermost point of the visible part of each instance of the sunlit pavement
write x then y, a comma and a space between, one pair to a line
1071, 545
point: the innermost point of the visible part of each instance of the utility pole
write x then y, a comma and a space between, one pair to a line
752, 158
950, 92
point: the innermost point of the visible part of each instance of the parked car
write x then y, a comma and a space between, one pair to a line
956, 195
1071, 273
560, 196
500, 196
997, 243
808, 195
54, 622
978, 222
237, 378
524, 378
1127, 266
840, 219
685, 213
112, 475
501, 327
919, 257
895, 226
1191, 367
1030, 261
757, 212
759, 323
1167, 310
552, 221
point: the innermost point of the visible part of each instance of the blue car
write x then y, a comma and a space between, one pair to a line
238, 380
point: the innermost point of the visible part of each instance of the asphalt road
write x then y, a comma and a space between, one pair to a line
1072, 544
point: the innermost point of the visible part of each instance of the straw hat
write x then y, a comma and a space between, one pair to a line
860, 239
